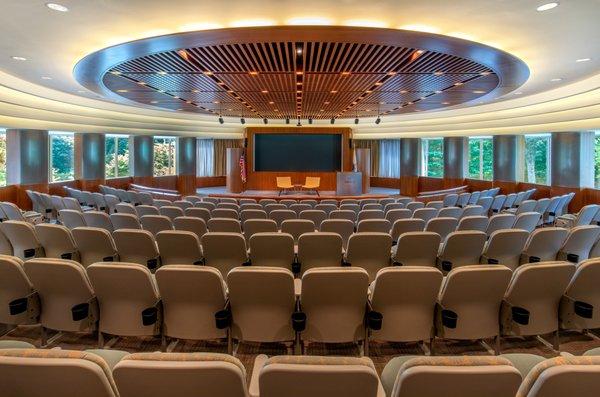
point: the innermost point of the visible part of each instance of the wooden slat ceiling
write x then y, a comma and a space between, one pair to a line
306, 79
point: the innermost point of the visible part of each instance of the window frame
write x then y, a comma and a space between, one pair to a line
52, 134
481, 140
523, 176
116, 138
172, 158
425, 156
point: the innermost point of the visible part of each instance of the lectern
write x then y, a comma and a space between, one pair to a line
348, 183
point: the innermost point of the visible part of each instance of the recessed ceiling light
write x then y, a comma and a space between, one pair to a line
115, 72
271, 103
345, 73
420, 52
265, 91
438, 92
153, 101
556, 79
378, 83
485, 73
583, 59
548, 6
334, 91
299, 51
326, 102
391, 73
403, 92
122, 91
445, 103
162, 73
81, 91
57, 7
438, 73
518, 93
252, 73
17, 58
46, 78
478, 92
299, 73
459, 83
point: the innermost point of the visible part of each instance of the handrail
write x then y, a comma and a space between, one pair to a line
156, 192
459, 189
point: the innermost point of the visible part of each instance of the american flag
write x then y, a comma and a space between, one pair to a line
243, 167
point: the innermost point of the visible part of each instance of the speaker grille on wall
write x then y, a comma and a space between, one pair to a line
350, 142
245, 142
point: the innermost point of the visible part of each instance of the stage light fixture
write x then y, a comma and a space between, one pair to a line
243, 120
310, 120
378, 120
332, 120
356, 120
265, 121
221, 121
287, 120
299, 123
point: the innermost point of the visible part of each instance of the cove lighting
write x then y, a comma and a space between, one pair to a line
17, 58
547, 6
57, 7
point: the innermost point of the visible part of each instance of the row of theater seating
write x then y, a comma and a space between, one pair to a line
327, 305
25, 371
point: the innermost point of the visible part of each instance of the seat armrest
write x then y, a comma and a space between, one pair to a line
259, 363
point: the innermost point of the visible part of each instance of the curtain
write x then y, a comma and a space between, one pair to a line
220, 154
372, 144
389, 158
205, 153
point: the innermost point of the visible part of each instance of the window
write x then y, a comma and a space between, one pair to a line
433, 157
481, 158
117, 156
389, 158
205, 154
597, 160
2, 157
62, 156
536, 151
164, 155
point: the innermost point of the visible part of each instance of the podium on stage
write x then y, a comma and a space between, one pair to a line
348, 183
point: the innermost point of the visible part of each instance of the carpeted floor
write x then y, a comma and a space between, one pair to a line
572, 342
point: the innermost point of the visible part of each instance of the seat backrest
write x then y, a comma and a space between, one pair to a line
286, 202
297, 227
298, 208
62, 284
583, 287
370, 214
197, 212
412, 305
94, 245
374, 225
284, 181
392, 206
327, 208
536, 288
183, 204
265, 202
312, 181
190, 224
125, 221
372, 206
370, 251
41, 372
252, 214
465, 376
578, 243
475, 222
193, 199
182, 374
317, 216
23, 238
253, 205
485, 203
111, 202
564, 207
224, 225
527, 206
543, 244
351, 207
442, 226
586, 214
173, 212
463, 199
270, 207
520, 197
527, 221
57, 241
343, 214
504, 247
499, 222
472, 210
205, 205
425, 213
281, 215
474, 295
253, 226
510, 200
310, 202
498, 203
474, 197
179, 247
71, 218
137, 246
15, 285
438, 205
224, 251
156, 223
272, 250
342, 227
230, 206
450, 212
450, 200
99, 201
541, 205
417, 249
414, 205
396, 214
146, 210
318, 377
261, 314
69, 203
406, 225
461, 249
125, 208
319, 249
125, 292
98, 219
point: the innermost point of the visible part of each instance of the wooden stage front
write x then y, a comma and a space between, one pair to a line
221, 191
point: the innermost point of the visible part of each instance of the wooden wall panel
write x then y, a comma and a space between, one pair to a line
409, 185
210, 181
233, 170
506, 187
449, 183
119, 183
161, 182
577, 202
542, 191
427, 184
363, 165
476, 184
390, 183
186, 184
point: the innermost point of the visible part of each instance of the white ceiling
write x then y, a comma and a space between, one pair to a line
548, 42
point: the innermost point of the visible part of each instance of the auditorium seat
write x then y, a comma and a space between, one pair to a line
142, 210
180, 375
297, 227
98, 219
261, 314
70, 203
298, 208
450, 200
474, 197
386, 201
160, 203
472, 210
438, 205
363, 202
179, 247
334, 300
369, 251
486, 204
205, 205
370, 214
111, 203
137, 246
581, 300
525, 206
583, 217
68, 300
287, 202
125, 221
531, 301
343, 214
125, 208
274, 207
509, 200
550, 213
128, 299
342, 227
351, 207
406, 225
500, 222
319, 249
541, 206
317, 216
265, 202
193, 199
19, 302
314, 376
469, 303
544, 244
472, 376
57, 241
407, 312
191, 295
99, 202
392, 206
173, 212
183, 204
253, 226
247, 200
425, 213
504, 247
578, 244
475, 222
327, 207
527, 221
416, 249
374, 225
71, 218
442, 226
23, 238
450, 212
94, 245
281, 215
394, 214
461, 249
229, 206
252, 214
349, 202
224, 225
372, 206
55, 373
224, 251
156, 223
190, 224
272, 250
251, 206
212, 200
463, 199
134, 197
196, 212
229, 200
414, 205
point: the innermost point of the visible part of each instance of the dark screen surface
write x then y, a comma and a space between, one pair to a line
297, 152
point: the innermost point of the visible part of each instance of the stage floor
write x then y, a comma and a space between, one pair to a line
375, 192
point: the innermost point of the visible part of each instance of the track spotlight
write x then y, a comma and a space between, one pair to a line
356, 120
310, 120
221, 121
265, 121
243, 120
287, 120
378, 120
332, 120
299, 123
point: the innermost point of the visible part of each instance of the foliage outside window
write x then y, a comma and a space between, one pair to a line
117, 156
164, 156
537, 159
433, 157
481, 158
597, 160
62, 148
2, 157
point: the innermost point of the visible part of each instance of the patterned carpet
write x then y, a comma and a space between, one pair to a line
571, 342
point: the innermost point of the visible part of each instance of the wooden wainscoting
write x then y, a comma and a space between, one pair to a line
210, 181
390, 183
427, 184
476, 184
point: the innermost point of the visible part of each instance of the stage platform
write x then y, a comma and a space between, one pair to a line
221, 191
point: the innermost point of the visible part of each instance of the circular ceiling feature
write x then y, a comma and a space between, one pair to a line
308, 72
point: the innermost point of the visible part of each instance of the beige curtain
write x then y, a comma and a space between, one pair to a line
372, 144
220, 158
